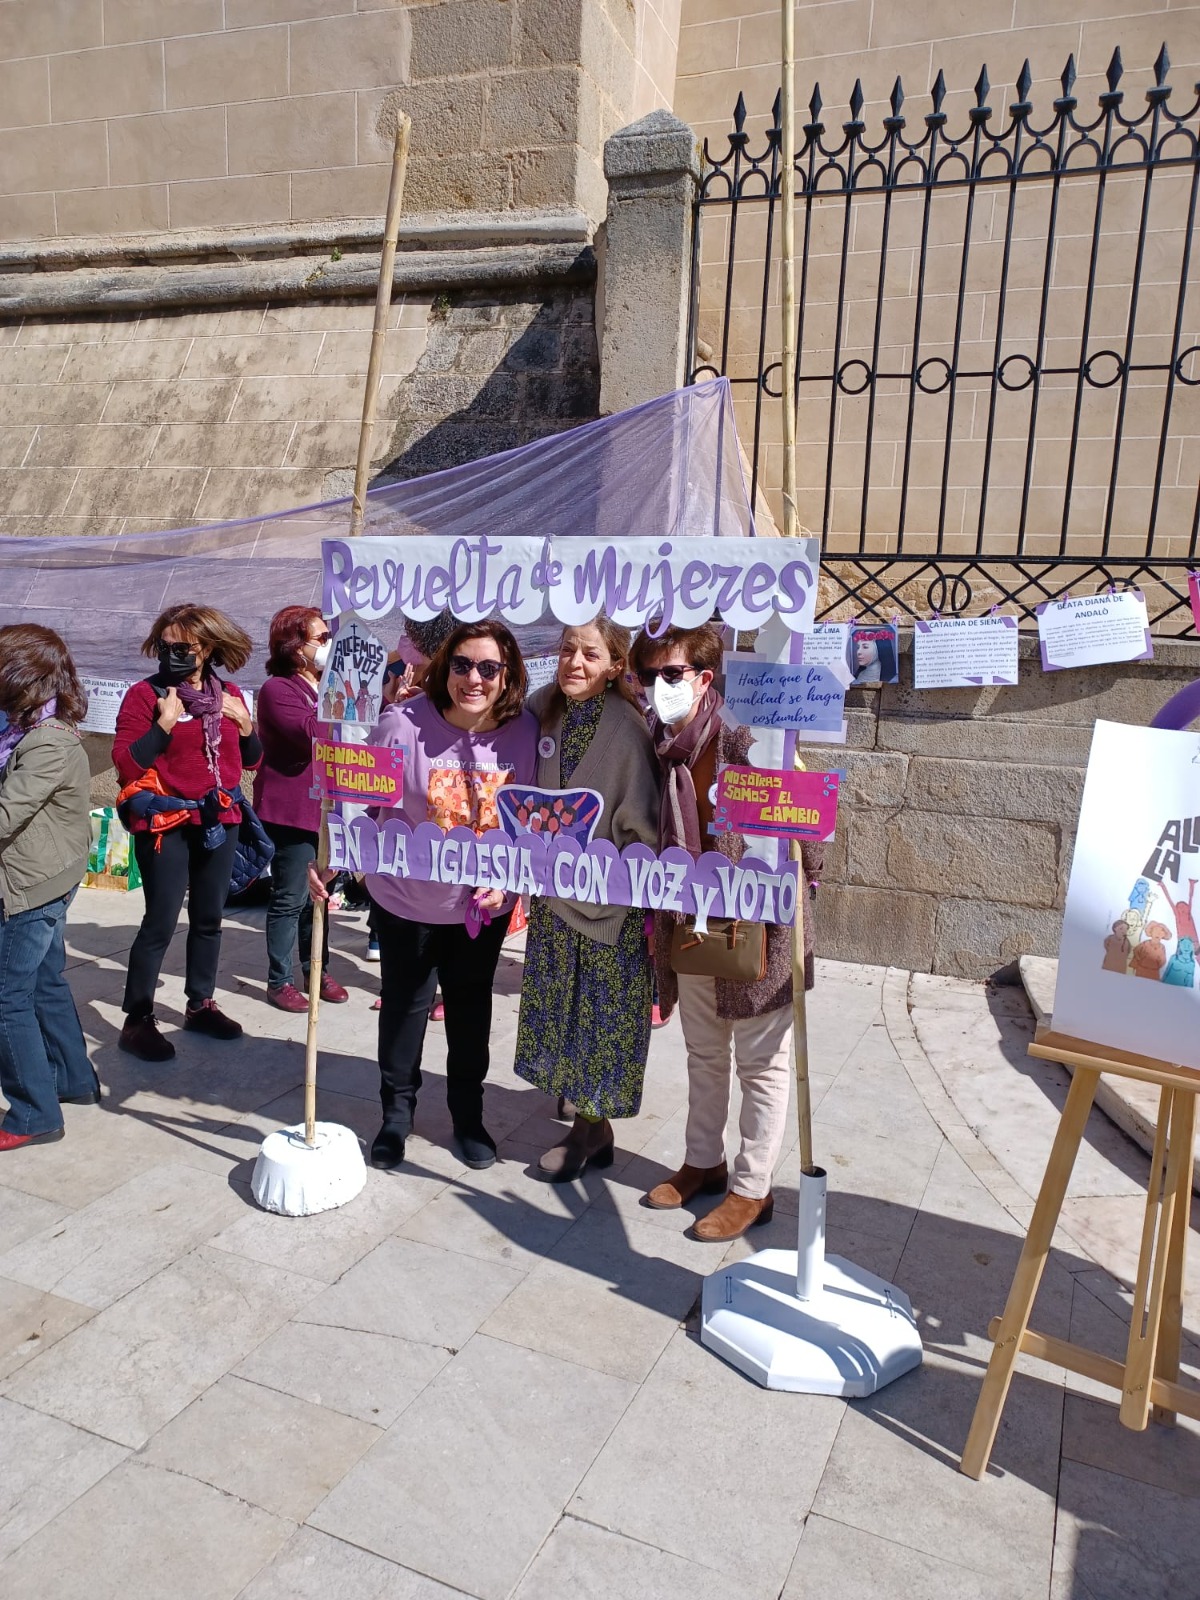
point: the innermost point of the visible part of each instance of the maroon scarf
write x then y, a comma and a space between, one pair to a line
205, 703
678, 752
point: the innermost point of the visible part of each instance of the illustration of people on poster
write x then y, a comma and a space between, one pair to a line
352, 685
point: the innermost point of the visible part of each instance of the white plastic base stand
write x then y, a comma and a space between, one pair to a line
296, 1179
805, 1322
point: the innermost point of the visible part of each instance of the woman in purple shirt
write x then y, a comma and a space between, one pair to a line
287, 725
463, 738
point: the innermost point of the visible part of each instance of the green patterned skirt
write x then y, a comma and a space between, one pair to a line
584, 1029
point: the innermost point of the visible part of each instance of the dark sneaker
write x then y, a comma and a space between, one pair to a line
207, 1017
476, 1147
92, 1099
287, 998
141, 1038
387, 1150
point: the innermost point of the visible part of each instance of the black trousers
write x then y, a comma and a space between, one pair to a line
181, 866
414, 957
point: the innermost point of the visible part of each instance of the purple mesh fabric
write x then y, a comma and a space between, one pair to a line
671, 467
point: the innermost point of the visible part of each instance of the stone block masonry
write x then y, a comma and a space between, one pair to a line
958, 811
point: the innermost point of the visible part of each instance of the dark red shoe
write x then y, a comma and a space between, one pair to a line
207, 1017
14, 1141
287, 998
140, 1037
331, 990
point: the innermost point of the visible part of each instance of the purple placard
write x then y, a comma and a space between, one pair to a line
782, 695
595, 874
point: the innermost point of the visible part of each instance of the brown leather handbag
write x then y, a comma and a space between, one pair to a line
731, 949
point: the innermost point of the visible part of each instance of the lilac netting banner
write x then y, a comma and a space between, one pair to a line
669, 469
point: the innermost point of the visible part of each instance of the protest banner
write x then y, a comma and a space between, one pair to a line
1092, 629
1127, 973
358, 773
778, 805
596, 874
773, 694
656, 582
569, 813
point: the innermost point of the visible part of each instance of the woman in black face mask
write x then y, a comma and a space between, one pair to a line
183, 739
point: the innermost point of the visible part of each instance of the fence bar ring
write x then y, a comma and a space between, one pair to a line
926, 388
1030, 370
1104, 383
1192, 350
846, 366
949, 592
776, 366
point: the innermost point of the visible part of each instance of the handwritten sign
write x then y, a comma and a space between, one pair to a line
772, 694
597, 874
1094, 628
674, 582
359, 772
964, 652
779, 805
352, 684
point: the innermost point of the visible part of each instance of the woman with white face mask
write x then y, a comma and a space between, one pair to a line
287, 722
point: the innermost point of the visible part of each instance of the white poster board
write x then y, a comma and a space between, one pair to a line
1128, 963
1092, 629
964, 652
104, 701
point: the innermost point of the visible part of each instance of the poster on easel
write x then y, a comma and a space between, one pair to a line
1128, 965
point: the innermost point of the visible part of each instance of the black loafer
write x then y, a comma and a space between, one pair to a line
92, 1099
387, 1150
476, 1147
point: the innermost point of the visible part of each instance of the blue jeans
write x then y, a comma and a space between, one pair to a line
43, 1056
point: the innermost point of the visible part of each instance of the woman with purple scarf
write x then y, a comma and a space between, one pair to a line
44, 837
184, 734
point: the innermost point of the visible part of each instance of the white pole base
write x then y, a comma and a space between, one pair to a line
854, 1335
296, 1180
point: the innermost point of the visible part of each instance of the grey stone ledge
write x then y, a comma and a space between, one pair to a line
146, 288
430, 230
657, 144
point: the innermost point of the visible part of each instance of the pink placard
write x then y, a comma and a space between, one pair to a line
777, 805
371, 774
1194, 597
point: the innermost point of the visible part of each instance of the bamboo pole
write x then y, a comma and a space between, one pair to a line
358, 511
791, 521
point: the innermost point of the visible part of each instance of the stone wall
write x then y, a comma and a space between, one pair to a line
135, 117
957, 819
119, 424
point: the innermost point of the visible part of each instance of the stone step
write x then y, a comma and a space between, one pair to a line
1131, 1105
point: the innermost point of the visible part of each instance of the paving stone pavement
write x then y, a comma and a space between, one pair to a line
478, 1384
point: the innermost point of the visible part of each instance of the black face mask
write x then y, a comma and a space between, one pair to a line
176, 661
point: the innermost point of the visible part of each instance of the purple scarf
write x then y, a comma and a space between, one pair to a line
678, 818
205, 703
16, 731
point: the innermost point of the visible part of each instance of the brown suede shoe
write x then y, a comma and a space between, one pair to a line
589, 1144
733, 1217
685, 1185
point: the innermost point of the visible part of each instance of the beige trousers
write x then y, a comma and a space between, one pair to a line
759, 1047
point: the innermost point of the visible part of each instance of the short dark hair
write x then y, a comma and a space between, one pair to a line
703, 646
226, 643
288, 636
436, 681
36, 666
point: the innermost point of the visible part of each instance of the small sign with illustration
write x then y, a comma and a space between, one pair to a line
776, 805
552, 813
862, 654
352, 683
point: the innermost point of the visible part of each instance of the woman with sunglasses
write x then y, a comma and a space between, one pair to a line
287, 725
463, 738
584, 1030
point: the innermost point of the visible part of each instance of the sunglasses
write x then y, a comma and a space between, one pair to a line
463, 666
671, 675
322, 638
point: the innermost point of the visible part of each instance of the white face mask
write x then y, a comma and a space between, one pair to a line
671, 701
321, 655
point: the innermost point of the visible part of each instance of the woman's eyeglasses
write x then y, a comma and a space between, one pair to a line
322, 638
463, 666
672, 675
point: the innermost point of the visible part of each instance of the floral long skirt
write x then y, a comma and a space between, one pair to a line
584, 1029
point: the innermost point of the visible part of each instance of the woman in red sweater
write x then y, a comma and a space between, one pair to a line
183, 735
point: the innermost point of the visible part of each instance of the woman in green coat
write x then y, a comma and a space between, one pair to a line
44, 837
584, 1029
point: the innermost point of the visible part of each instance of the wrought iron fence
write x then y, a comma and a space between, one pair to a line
998, 336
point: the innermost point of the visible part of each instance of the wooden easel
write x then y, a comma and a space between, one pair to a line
1148, 1378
